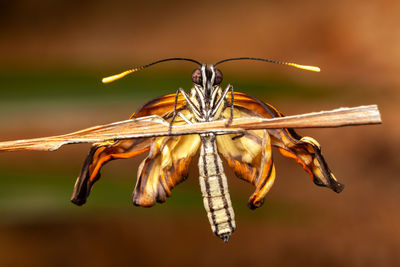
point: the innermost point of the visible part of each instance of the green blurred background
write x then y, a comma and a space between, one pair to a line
53, 55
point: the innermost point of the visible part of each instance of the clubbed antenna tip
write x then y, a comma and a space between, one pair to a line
112, 78
304, 67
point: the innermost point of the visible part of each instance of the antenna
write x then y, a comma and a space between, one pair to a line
304, 67
112, 78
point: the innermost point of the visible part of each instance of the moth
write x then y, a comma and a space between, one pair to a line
168, 157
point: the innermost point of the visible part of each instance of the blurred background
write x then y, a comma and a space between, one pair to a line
53, 56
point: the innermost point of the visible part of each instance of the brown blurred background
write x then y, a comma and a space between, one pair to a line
53, 55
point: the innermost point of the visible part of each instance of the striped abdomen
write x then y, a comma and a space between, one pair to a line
214, 188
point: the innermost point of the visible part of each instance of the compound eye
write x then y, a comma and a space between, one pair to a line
218, 77
196, 77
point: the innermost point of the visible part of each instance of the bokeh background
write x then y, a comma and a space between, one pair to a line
53, 56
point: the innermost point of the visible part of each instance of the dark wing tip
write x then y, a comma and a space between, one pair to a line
78, 201
333, 184
81, 192
254, 204
337, 187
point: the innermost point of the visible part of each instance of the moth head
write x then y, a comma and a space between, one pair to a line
201, 76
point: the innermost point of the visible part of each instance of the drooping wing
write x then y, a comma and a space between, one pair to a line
250, 158
166, 165
102, 153
305, 150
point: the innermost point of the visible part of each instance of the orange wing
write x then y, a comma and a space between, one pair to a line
99, 155
305, 150
166, 165
102, 153
250, 157
162, 106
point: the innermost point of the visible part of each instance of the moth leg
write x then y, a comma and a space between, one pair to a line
221, 100
175, 105
231, 104
98, 156
193, 107
188, 101
184, 118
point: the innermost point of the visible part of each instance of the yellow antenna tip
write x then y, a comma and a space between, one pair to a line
304, 67
115, 77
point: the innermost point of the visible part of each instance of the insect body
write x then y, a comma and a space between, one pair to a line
214, 188
207, 102
248, 154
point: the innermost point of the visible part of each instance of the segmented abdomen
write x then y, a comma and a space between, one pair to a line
214, 188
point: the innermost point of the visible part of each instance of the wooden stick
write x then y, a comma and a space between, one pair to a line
153, 126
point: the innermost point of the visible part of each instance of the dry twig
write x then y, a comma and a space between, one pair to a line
152, 126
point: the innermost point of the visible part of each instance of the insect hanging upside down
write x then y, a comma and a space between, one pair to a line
248, 154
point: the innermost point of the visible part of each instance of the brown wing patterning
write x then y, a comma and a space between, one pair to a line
305, 150
166, 165
250, 158
99, 155
102, 153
